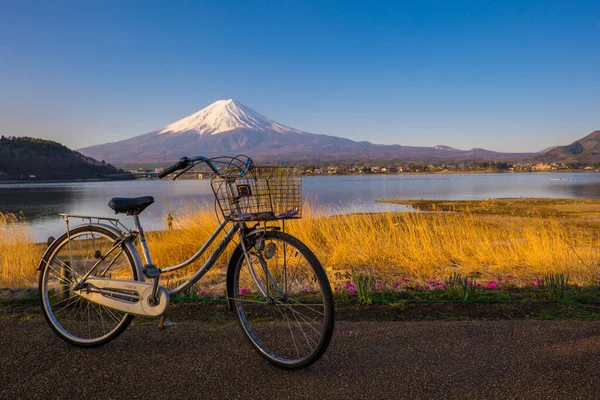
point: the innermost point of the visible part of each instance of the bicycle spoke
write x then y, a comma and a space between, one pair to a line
247, 301
111, 314
306, 306
60, 294
302, 330
291, 331
70, 303
59, 275
300, 314
64, 265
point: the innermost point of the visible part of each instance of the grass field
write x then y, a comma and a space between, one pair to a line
521, 238
18, 253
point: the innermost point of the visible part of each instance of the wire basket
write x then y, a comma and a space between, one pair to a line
263, 194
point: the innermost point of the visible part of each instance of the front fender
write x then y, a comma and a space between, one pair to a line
233, 260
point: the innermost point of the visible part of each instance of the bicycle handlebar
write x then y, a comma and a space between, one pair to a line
186, 162
181, 164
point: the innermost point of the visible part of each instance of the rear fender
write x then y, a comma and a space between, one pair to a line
136, 256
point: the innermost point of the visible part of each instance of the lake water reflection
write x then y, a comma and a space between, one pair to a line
41, 202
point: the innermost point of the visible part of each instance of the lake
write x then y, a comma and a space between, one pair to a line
42, 202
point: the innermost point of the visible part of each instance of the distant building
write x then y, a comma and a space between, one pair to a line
541, 167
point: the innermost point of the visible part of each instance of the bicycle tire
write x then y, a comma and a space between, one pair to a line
303, 300
88, 240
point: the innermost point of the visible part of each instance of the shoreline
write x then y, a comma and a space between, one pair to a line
41, 181
483, 172
563, 208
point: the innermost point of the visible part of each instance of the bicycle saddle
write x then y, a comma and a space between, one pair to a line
130, 206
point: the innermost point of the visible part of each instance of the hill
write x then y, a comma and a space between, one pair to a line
227, 127
25, 158
583, 151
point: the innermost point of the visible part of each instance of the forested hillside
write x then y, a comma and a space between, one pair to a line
38, 159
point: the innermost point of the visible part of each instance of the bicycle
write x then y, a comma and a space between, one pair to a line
93, 282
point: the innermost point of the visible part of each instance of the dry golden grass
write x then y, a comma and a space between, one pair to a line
434, 245
421, 246
18, 253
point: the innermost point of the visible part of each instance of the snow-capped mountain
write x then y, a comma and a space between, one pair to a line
227, 127
223, 116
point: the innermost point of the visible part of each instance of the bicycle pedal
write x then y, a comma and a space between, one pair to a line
151, 271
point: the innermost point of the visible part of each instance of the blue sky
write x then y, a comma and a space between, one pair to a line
502, 75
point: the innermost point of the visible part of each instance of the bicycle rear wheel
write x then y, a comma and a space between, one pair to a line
292, 326
73, 318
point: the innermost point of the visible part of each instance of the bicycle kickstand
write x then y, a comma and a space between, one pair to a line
162, 324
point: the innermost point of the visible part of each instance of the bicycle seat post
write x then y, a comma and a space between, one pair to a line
145, 250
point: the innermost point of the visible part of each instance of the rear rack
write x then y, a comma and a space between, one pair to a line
113, 221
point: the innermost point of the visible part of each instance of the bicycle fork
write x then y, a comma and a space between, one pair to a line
258, 248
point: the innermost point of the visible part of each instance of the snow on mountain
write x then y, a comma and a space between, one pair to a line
223, 116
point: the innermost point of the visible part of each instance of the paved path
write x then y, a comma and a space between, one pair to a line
379, 360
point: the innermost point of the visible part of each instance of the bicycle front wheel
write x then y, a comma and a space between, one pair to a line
73, 318
284, 302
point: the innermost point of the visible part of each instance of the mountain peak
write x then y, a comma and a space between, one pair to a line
223, 116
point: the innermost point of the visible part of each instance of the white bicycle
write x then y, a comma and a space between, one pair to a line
93, 281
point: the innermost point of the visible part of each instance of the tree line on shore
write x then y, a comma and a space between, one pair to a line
26, 158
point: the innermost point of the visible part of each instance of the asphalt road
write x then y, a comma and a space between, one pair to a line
379, 360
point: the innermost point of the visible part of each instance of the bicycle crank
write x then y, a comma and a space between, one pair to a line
131, 297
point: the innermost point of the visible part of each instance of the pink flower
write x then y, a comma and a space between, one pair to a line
350, 288
491, 285
243, 291
442, 287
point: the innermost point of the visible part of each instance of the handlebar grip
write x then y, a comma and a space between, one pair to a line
181, 164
